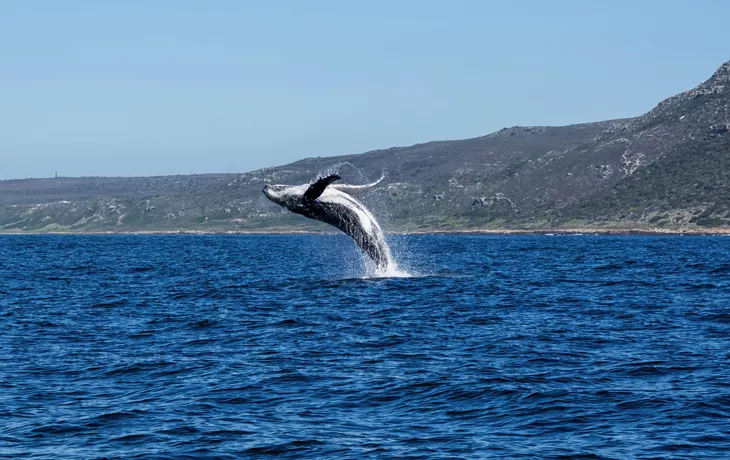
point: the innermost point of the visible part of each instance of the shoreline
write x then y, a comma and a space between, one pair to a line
710, 231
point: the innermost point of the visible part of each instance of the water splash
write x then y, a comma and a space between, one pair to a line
390, 270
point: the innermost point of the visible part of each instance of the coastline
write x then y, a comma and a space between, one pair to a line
719, 231
709, 231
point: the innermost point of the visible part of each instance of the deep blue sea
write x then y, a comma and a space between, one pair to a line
243, 346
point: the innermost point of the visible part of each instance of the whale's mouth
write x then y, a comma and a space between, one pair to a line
274, 193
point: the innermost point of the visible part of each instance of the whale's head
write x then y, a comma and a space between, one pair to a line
299, 198
287, 196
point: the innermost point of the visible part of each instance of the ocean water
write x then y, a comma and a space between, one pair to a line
239, 346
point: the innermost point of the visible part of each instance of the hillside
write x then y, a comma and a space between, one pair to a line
667, 168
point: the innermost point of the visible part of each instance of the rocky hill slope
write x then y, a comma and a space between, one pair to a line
667, 168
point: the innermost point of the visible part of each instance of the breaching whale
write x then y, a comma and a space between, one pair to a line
330, 203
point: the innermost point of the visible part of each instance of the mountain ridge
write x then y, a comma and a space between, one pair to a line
602, 174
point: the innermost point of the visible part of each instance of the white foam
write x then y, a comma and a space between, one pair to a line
392, 272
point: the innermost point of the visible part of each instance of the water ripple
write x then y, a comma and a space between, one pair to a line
279, 346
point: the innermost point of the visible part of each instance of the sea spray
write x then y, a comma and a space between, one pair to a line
390, 270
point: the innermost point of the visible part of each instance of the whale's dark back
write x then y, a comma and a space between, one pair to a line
370, 240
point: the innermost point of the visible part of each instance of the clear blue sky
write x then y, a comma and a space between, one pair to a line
140, 87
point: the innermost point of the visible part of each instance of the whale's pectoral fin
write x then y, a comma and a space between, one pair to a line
316, 189
347, 188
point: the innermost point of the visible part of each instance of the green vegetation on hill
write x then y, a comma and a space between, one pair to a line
691, 184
